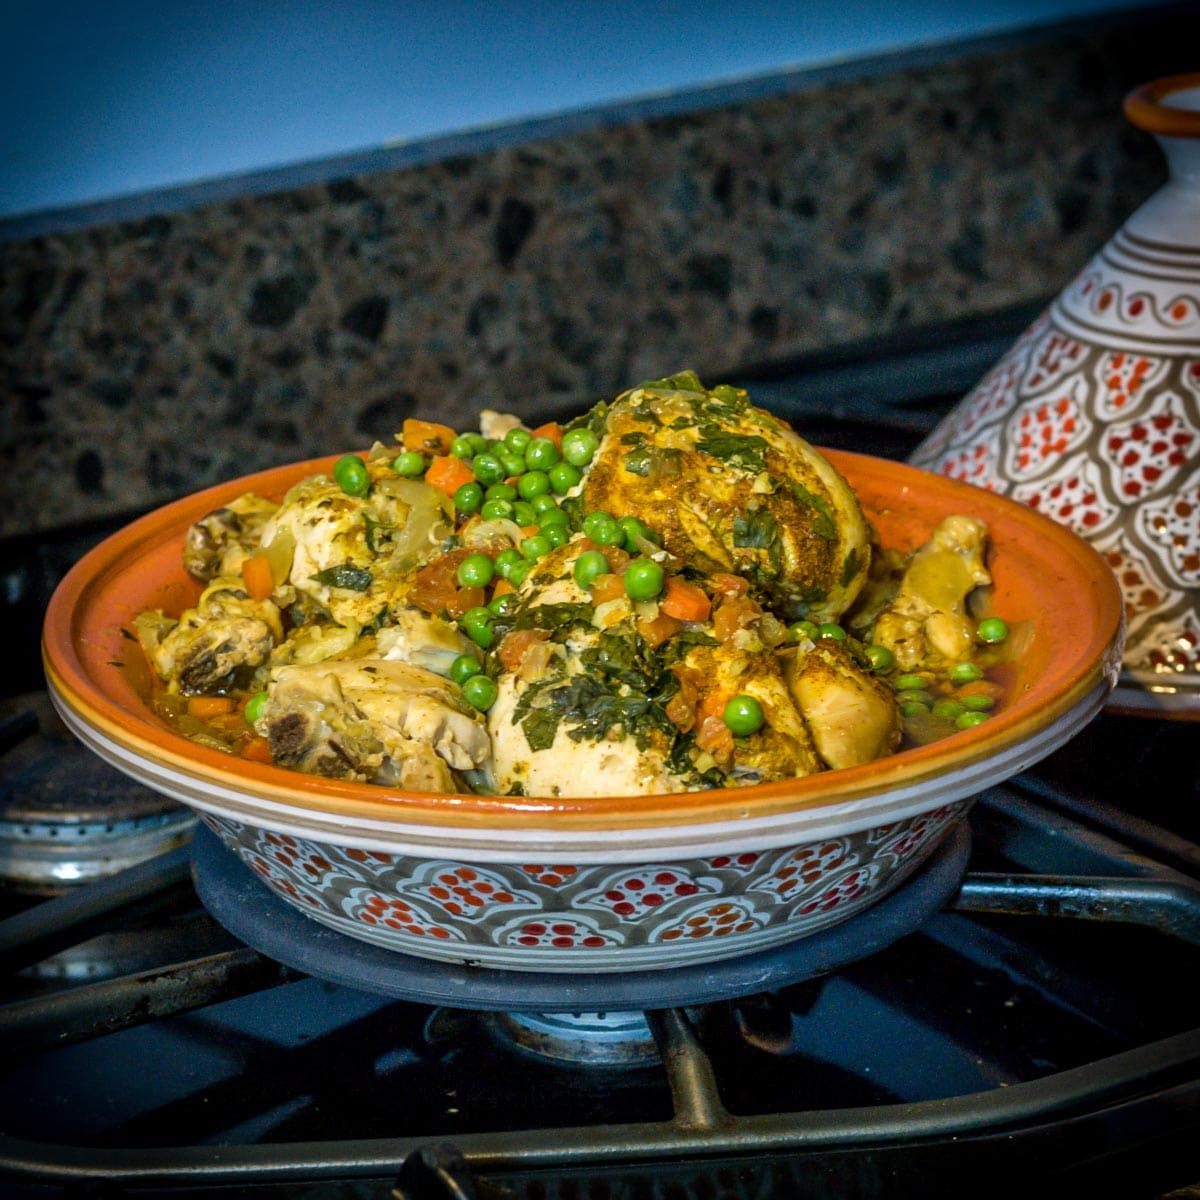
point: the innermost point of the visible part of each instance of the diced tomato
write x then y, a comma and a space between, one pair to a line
734, 614
427, 437
729, 585
607, 587
657, 629
515, 645
435, 588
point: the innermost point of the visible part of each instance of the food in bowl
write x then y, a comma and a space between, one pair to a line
672, 592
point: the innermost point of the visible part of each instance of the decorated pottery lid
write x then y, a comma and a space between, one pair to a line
1093, 416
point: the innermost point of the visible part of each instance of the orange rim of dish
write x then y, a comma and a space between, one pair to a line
1148, 107
1069, 593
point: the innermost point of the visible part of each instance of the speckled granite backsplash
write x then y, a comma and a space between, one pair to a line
143, 360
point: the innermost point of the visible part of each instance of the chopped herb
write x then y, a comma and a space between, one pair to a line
849, 568
685, 381
352, 579
553, 616
823, 524
639, 461
755, 530
747, 451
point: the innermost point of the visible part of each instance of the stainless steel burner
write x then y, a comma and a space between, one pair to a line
67, 818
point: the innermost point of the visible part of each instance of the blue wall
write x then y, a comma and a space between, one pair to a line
101, 100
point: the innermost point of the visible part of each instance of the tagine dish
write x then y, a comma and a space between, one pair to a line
657, 684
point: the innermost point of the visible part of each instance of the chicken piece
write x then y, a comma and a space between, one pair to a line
352, 555
373, 720
215, 647
852, 715
728, 487
415, 637
783, 748
596, 715
927, 622
219, 543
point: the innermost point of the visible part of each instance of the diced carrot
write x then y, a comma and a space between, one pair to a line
427, 437
257, 749
684, 600
729, 585
209, 706
551, 430
448, 474
256, 575
501, 588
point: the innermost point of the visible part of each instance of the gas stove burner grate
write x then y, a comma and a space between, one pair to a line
242, 903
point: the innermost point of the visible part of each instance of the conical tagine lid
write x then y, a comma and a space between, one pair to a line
1093, 416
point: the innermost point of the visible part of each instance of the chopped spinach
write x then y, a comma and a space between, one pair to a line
554, 617
685, 381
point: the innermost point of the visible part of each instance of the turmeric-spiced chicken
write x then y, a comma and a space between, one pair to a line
673, 591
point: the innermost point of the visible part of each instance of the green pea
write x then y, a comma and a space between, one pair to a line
468, 498
909, 683
514, 463
497, 510
948, 710
506, 560
478, 442
519, 573
743, 715
409, 463
923, 698
644, 579
503, 605
488, 469
969, 720
254, 707
804, 631
350, 474
480, 692
880, 658
910, 708
500, 491
517, 439
579, 447
541, 454
831, 630
991, 630
535, 547
476, 570
633, 529
524, 513
563, 477
603, 529
589, 566
477, 625
533, 483
978, 703
556, 534
463, 667
462, 447
965, 672
544, 503
553, 516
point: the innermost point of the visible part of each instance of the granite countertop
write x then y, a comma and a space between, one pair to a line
143, 359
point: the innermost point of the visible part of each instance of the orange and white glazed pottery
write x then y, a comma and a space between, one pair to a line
603, 884
1093, 416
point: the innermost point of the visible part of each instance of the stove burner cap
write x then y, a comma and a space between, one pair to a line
239, 900
608, 1039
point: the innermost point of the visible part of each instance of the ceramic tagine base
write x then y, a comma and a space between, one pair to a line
1093, 417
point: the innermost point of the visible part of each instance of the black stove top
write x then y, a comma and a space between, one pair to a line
1037, 1029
